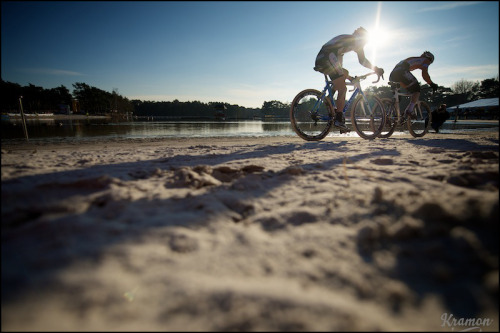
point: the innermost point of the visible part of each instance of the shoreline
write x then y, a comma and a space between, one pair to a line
41, 116
81, 116
251, 234
228, 140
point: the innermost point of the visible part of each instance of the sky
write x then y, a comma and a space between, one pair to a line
239, 52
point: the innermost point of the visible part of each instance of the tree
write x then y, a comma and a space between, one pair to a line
380, 92
275, 109
32, 98
59, 95
10, 96
489, 88
468, 89
93, 100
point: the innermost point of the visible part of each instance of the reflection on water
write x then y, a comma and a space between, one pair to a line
91, 128
82, 129
208, 129
50, 128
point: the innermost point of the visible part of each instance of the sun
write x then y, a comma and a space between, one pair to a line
379, 37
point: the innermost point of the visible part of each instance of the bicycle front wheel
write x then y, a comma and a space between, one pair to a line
391, 118
311, 115
421, 119
368, 116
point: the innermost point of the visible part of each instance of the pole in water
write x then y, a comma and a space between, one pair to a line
25, 129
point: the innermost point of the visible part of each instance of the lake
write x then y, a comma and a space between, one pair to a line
92, 129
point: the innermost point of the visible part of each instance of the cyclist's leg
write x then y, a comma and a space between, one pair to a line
341, 88
332, 66
336, 74
413, 87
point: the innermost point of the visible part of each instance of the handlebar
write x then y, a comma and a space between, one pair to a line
358, 79
429, 88
363, 77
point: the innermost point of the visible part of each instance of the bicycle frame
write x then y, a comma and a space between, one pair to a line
396, 100
417, 123
328, 87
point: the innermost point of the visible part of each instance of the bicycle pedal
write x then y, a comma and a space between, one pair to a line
343, 131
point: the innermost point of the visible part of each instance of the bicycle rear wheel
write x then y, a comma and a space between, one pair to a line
368, 116
391, 118
419, 126
311, 115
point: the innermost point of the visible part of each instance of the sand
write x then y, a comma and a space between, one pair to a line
251, 234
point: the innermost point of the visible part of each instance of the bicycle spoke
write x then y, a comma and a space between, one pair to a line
311, 115
419, 126
391, 118
368, 116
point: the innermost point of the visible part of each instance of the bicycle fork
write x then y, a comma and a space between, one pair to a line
315, 113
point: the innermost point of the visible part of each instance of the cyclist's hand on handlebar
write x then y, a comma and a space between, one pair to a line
379, 71
353, 78
434, 87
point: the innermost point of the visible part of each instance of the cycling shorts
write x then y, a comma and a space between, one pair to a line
402, 74
329, 64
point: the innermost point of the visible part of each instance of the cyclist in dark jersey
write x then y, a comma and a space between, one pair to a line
329, 61
401, 73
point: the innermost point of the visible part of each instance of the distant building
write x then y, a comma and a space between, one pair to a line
486, 108
76, 106
220, 111
64, 109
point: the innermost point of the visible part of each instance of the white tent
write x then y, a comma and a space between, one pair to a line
486, 103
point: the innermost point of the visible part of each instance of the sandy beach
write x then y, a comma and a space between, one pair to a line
252, 234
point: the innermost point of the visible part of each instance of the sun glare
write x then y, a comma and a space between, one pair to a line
378, 37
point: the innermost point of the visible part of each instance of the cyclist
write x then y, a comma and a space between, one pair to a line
401, 73
329, 62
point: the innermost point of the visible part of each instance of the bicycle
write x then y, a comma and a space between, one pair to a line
312, 111
417, 124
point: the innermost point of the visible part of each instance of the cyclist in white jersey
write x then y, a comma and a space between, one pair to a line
401, 73
329, 62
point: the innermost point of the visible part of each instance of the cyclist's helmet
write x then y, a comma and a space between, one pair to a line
361, 32
428, 55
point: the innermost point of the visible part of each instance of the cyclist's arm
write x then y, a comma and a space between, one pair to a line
363, 61
426, 77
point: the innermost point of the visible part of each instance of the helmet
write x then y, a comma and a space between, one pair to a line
361, 35
428, 55
361, 32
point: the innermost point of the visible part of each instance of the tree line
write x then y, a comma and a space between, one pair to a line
87, 99
94, 101
195, 109
460, 92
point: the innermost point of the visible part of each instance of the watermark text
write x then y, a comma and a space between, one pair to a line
466, 324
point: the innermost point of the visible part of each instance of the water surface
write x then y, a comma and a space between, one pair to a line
92, 129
